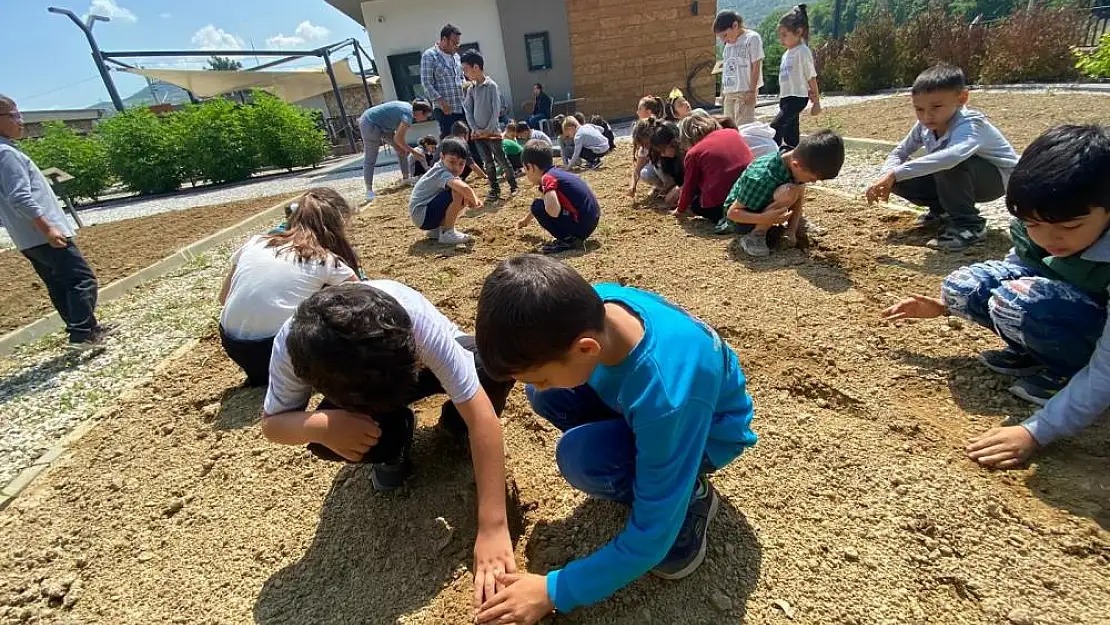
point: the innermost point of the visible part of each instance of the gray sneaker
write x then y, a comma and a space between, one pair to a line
688, 551
453, 237
755, 244
432, 234
957, 239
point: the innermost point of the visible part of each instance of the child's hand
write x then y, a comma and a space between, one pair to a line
1002, 448
523, 601
493, 556
915, 307
774, 216
524, 221
880, 191
349, 434
815, 110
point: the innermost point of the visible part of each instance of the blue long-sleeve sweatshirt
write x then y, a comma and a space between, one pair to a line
684, 395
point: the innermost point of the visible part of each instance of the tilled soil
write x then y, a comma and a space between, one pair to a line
856, 506
117, 249
1022, 117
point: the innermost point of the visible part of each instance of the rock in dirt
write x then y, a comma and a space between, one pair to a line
720, 601
173, 508
851, 555
955, 323
73, 595
645, 615
116, 483
1020, 616
784, 605
57, 587
146, 556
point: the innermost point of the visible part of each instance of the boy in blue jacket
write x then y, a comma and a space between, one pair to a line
649, 399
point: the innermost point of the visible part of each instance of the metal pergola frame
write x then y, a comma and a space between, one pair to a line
101, 59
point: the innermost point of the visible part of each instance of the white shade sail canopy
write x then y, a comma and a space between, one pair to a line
290, 85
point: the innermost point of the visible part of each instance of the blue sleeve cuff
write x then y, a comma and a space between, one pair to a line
1039, 430
562, 604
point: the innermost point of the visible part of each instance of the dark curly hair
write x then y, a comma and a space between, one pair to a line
354, 344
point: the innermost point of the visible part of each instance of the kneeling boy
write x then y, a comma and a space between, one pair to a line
372, 348
440, 196
650, 400
1047, 299
568, 209
772, 190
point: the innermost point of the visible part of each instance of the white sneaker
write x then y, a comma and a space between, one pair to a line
432, 234
370, 196
454, 237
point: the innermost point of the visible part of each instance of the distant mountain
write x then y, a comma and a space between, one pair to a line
157, 93
753, 11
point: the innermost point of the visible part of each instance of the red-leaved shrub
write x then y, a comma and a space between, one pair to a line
1033, 46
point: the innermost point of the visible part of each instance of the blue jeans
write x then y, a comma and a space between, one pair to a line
534, 120
564, 226
1051, 320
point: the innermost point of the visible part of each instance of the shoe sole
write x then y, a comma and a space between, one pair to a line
1017, 373
1021, 393
693, 566
386, 488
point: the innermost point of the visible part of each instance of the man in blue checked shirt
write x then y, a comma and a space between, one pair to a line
442, 77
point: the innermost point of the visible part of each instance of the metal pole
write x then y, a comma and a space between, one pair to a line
339, 99
98, 57
362, 75
838, 7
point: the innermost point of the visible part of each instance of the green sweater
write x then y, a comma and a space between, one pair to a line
1091, 276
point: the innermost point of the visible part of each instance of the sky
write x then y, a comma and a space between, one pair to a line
48, 65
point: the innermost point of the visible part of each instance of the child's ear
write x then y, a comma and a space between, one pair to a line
586, 346
965, 95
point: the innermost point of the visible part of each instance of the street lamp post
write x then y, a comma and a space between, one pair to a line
98, 58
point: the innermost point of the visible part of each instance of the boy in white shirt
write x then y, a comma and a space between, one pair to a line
742, 66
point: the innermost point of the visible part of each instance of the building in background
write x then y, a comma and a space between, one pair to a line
80, 120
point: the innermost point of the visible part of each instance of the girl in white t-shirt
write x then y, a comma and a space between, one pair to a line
797, 77
272, 274
741, 66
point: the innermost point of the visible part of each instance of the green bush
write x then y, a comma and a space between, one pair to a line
217, 141
865, 63
1097, 63
285, 135
83, 157
1032, 46
142, 151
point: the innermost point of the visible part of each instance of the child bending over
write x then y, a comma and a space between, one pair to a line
440, 195
742, 66
482, 105
650, 401
589, 144
715, 158
271, 274
1047, 299
427, 145
651, 106
568, 209
967, 160
772, 189
523, 133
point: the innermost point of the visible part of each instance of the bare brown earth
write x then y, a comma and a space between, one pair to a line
1020, 116
117, 249
857, 505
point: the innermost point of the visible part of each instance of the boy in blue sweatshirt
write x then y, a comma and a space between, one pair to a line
649, 399
482, 106
967, 160
1047, 299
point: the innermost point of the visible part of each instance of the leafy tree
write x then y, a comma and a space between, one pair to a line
223, 64
83, 157
142, 151
285, 135
1097, 63
216, 141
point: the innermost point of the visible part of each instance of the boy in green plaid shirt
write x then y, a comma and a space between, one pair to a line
771, 191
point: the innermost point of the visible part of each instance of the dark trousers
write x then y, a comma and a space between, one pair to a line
712, 213
955, 191
788, 130
493, 154
71, 284
534, 120
398, 425
515, 160
564, 226
590, 156
253, 357
446, 121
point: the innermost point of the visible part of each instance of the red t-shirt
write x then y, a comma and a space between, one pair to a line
713, 166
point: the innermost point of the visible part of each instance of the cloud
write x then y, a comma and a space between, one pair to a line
306, 31
280, 41
109, 8
310, 31
212, 38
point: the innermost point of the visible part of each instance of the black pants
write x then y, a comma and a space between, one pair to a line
71, 284
564, 226
955, 191
515, 160
712, 213
446, 121
399, 425
493, 154
590, 156
253, 357
788, 130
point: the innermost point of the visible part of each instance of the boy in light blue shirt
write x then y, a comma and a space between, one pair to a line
649, 399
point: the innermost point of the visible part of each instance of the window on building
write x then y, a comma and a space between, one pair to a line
538, 48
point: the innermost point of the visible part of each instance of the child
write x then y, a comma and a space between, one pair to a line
389, 122
967, 160
461, 131
650, 106
271, 274
797, 77
427, 147
568, 209
440, 196
482, 105
665, 169
525, 133
650, 400
771, 190
642, 167
1047, 299
589, 144
742, 70
566, 145
715, 158
513, 149
372, 349
599, 121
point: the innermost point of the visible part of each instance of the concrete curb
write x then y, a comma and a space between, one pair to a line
27, 476
115, 290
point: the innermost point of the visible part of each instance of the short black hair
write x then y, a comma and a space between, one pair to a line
460, 128
664, 134
523, 127
449, 30
455, 147
427, 140
473, 57
530, 311
940, 77
420, 105
367, 331
538, 152
1062, 175
580, 116
725, 20
821, 153
538, 86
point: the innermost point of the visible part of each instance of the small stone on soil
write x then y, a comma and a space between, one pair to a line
1020, 616
721, 601
784, 605
851, 555
146, 556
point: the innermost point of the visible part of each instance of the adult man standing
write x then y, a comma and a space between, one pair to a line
442, 77
40, 230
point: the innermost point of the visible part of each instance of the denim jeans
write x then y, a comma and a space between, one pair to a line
534, 120
71, 284
445, 121
1051, 320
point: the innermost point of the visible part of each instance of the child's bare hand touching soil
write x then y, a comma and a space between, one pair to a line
916, 307
1002, 448
493, 556
523, 601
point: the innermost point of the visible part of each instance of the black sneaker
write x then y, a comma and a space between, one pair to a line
493, 196
562, 245
514, 190
593, 165
929, 219
1038, 389
688, 551
1010, 362
957, 239
389, 476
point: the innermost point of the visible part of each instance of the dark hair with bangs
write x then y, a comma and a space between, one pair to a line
940, 77
530, 311
1062, 175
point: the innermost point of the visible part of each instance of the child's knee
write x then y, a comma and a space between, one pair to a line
538, 208
789, 193
1040, 301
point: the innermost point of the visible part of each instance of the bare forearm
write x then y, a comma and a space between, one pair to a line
814, 91
488, 451
41, 224
757, 69
294, 428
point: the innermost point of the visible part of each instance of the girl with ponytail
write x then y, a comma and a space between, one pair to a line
797, 77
